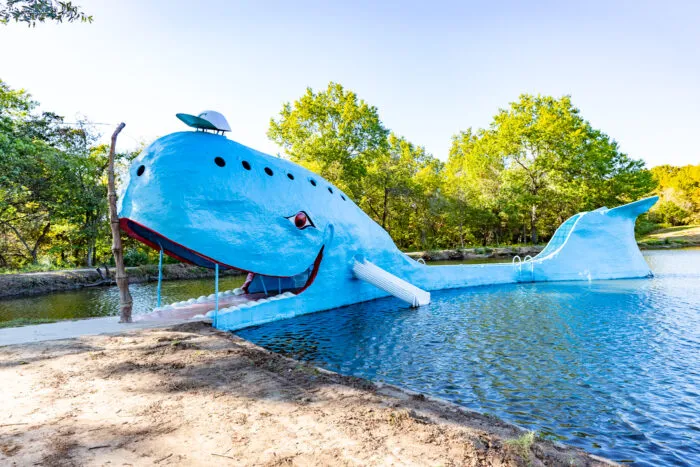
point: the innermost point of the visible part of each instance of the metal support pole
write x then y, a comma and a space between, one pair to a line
216, 292
160, 273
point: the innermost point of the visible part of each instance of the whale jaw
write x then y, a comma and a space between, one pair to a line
269, 284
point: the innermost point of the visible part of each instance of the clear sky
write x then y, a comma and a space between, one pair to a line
431, 68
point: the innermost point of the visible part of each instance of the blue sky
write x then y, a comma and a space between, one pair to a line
431, 68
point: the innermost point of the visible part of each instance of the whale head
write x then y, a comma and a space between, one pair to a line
207, 200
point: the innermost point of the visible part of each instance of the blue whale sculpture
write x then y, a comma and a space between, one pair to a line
207, 200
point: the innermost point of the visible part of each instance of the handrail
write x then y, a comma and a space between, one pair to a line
529, 259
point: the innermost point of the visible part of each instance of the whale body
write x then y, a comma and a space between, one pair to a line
210, 201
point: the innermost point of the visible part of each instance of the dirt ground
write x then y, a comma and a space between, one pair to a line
191, 395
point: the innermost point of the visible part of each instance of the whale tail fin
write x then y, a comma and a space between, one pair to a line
632, 210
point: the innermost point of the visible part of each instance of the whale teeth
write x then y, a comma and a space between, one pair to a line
246, 304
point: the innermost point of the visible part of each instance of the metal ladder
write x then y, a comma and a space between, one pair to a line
528, 259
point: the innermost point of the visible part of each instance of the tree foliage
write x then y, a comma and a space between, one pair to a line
679, 190
333, 133
52, 187
538, 163
33, 11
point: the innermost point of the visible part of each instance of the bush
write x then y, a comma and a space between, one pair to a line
644, 226
668, 212
135, 257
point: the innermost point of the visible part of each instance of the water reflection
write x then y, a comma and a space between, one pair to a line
104, 301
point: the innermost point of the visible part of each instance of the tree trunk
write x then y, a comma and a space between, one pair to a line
35, 250
533, 225
90, 228
90, 253
386, 206
125, 301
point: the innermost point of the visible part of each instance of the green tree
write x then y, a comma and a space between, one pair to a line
540, 162
388, 177
333, 133
30, 173
33, 11
52, 186
679, 189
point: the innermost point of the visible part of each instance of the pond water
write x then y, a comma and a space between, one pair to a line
610, 366
104, 301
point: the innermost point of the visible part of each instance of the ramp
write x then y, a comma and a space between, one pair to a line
389, 283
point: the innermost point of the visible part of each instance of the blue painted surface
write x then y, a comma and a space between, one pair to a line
209, 200
610, 366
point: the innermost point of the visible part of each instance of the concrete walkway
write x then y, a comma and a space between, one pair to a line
77, 328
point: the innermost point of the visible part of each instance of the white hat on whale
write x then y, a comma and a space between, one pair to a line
207, 120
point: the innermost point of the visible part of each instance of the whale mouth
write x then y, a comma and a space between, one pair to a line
257, 288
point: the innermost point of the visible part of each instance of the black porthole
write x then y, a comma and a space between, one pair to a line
268, 171
330, 190
343, 197
312, 181
140, 170
290, 176
219, 161
245, 165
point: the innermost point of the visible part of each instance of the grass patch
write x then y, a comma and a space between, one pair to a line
522, 444
398, 417
32, 268
17, 322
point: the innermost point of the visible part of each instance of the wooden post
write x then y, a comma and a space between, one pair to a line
125, 301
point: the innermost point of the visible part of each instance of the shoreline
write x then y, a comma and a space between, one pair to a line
192, 395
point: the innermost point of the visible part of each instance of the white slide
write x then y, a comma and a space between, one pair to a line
389, 283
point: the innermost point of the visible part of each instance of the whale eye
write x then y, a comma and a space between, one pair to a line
301, 220
219, 161
140, 170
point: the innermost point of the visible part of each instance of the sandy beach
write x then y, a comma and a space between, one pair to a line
191, 395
